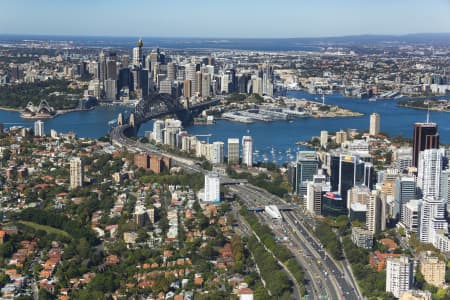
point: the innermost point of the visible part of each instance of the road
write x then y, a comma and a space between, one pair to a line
320, 279
327, 276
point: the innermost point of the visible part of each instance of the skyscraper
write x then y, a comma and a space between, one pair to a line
39, 128
171, 71
347, 173
158, 131
432, 218
307, 166
405, 190
233, 151
187, 85
425, 137
374, 216
374, 124
429, 171
247, 150
323, 138
110, 89
206, 85
190, 74
212, 187
76, 173
399, 275
137, 54
444, 187
217, 153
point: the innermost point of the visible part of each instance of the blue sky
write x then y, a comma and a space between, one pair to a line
223, 18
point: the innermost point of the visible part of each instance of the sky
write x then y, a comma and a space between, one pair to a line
223, 18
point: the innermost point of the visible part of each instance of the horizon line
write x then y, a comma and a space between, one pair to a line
234, 38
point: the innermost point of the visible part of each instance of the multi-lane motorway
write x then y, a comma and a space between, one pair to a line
326, 278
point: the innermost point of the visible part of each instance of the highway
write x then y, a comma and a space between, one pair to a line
326, 277
337, 282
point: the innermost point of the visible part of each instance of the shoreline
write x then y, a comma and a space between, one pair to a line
58, 112
10, 109
424, 108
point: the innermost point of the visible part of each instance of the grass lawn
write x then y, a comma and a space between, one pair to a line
46, 228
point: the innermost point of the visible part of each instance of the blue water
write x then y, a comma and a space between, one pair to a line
91, 124
272, 140
282, 135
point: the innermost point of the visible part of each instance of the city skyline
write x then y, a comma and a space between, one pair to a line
293, 19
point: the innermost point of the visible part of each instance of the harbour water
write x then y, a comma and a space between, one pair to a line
273, 141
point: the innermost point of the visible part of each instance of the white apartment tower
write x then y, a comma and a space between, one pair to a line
158, 131
429, 171
432, 218
373, 218
323, 138
39, 128
217, 153
247, 150
374, 124
76, 173
212, 187
399, 275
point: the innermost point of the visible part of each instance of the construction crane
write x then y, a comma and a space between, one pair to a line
204, 135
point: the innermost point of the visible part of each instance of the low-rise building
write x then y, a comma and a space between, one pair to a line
433, 271
362, 237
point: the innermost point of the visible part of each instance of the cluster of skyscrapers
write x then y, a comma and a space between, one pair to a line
414, 192
118, 78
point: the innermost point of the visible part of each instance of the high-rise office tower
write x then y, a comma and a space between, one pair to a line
39, 128
346, 172
191, 74
171, 71
111, 69
429, 171
212, 187
399, 275
137, 54
432, 218
217, 153
425, 137
110, 89
247, 150
374, 124
206, 85
233, 151
224, 83
198, 83
405, 190
76, 173
307, 166
102, 67
187, 91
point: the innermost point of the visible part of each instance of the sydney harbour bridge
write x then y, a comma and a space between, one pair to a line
154, 106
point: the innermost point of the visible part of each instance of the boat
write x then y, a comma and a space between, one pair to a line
373, 99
